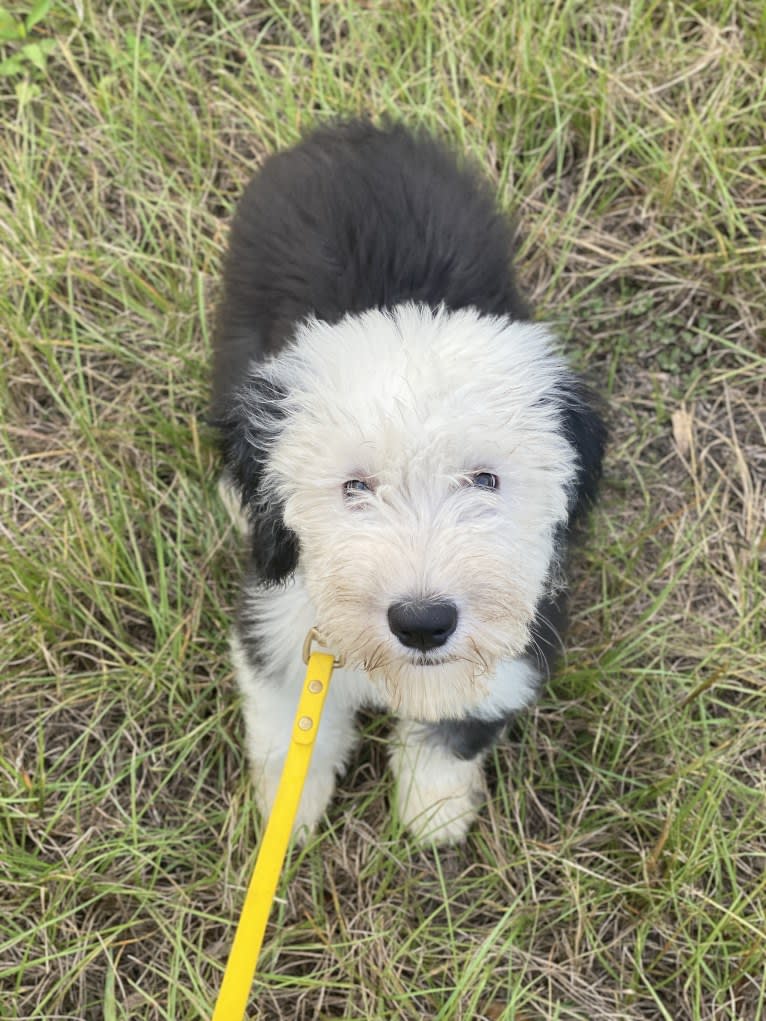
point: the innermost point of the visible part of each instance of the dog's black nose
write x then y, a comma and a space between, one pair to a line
424, 625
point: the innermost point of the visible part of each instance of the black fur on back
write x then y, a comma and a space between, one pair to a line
357, 217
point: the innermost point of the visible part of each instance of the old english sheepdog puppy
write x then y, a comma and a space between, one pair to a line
406, 453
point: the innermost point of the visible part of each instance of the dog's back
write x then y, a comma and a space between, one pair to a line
357, 217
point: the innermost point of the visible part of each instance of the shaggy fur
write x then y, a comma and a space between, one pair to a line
406, 453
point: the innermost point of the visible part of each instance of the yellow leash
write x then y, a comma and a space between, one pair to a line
240, 968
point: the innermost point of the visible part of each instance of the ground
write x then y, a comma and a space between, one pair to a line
617, 871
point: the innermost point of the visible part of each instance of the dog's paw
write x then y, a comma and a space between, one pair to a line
434, 816
437, 795
317, 793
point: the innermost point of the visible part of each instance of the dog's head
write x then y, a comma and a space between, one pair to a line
417, 469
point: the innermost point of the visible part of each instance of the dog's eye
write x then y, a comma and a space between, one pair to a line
485, 480
354, 487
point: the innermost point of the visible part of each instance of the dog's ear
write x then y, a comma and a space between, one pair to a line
584, 427
248, 422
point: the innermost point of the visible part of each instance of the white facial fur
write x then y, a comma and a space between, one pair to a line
413, 401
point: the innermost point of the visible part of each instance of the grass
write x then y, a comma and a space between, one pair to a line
617, 871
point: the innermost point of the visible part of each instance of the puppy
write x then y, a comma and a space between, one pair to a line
406, 453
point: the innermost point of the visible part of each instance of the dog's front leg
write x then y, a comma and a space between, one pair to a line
440, 777
269, 706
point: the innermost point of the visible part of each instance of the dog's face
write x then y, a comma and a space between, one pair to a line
423, 461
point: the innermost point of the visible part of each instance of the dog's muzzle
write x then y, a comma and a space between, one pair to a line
422, 625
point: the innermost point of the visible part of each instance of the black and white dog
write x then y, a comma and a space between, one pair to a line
406, 452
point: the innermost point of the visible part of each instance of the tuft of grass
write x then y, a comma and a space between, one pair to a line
617, 871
